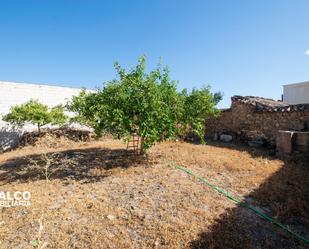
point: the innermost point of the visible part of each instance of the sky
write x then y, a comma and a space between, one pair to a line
249, 47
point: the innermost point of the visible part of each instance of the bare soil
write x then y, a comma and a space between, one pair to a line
98, 196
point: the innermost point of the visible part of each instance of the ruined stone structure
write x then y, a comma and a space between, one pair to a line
258, 119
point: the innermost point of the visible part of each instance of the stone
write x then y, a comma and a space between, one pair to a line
215, 137
111, 217
255, 143
226, 138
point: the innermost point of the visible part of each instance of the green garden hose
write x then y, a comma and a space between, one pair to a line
253, 209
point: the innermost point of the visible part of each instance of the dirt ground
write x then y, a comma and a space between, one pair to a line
97, 196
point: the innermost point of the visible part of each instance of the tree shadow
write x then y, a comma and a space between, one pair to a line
259, 151
284, 196
84, 165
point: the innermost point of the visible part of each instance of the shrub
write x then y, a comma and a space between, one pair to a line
199, 105
35, 113
146, 104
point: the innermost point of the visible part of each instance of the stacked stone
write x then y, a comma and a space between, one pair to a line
258, 119
269, 105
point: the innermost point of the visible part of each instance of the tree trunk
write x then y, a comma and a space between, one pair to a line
39, 128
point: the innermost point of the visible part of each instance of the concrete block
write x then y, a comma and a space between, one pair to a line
285, 142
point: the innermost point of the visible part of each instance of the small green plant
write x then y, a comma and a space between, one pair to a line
35, 113
34, 243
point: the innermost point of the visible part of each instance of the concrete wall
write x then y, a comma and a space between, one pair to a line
12, 93
296, 93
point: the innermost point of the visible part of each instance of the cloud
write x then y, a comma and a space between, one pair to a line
307, 52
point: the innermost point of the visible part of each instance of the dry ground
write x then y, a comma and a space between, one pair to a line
99, 197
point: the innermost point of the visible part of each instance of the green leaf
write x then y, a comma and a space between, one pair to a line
34, 243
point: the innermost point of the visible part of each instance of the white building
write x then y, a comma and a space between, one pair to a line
12, 93
297, 93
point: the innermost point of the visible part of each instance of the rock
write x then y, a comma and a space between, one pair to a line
226, 138
255, 143
111, 217
215, 137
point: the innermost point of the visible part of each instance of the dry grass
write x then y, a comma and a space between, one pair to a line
96, 196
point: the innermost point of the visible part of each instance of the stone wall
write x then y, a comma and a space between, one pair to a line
251, 120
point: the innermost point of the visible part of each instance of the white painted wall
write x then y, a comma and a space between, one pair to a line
12, 93
297, 93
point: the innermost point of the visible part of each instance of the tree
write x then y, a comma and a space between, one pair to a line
35, 113
87, 107
141, 103
199, 105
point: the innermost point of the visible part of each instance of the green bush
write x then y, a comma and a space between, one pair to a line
35, 113
146, 104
